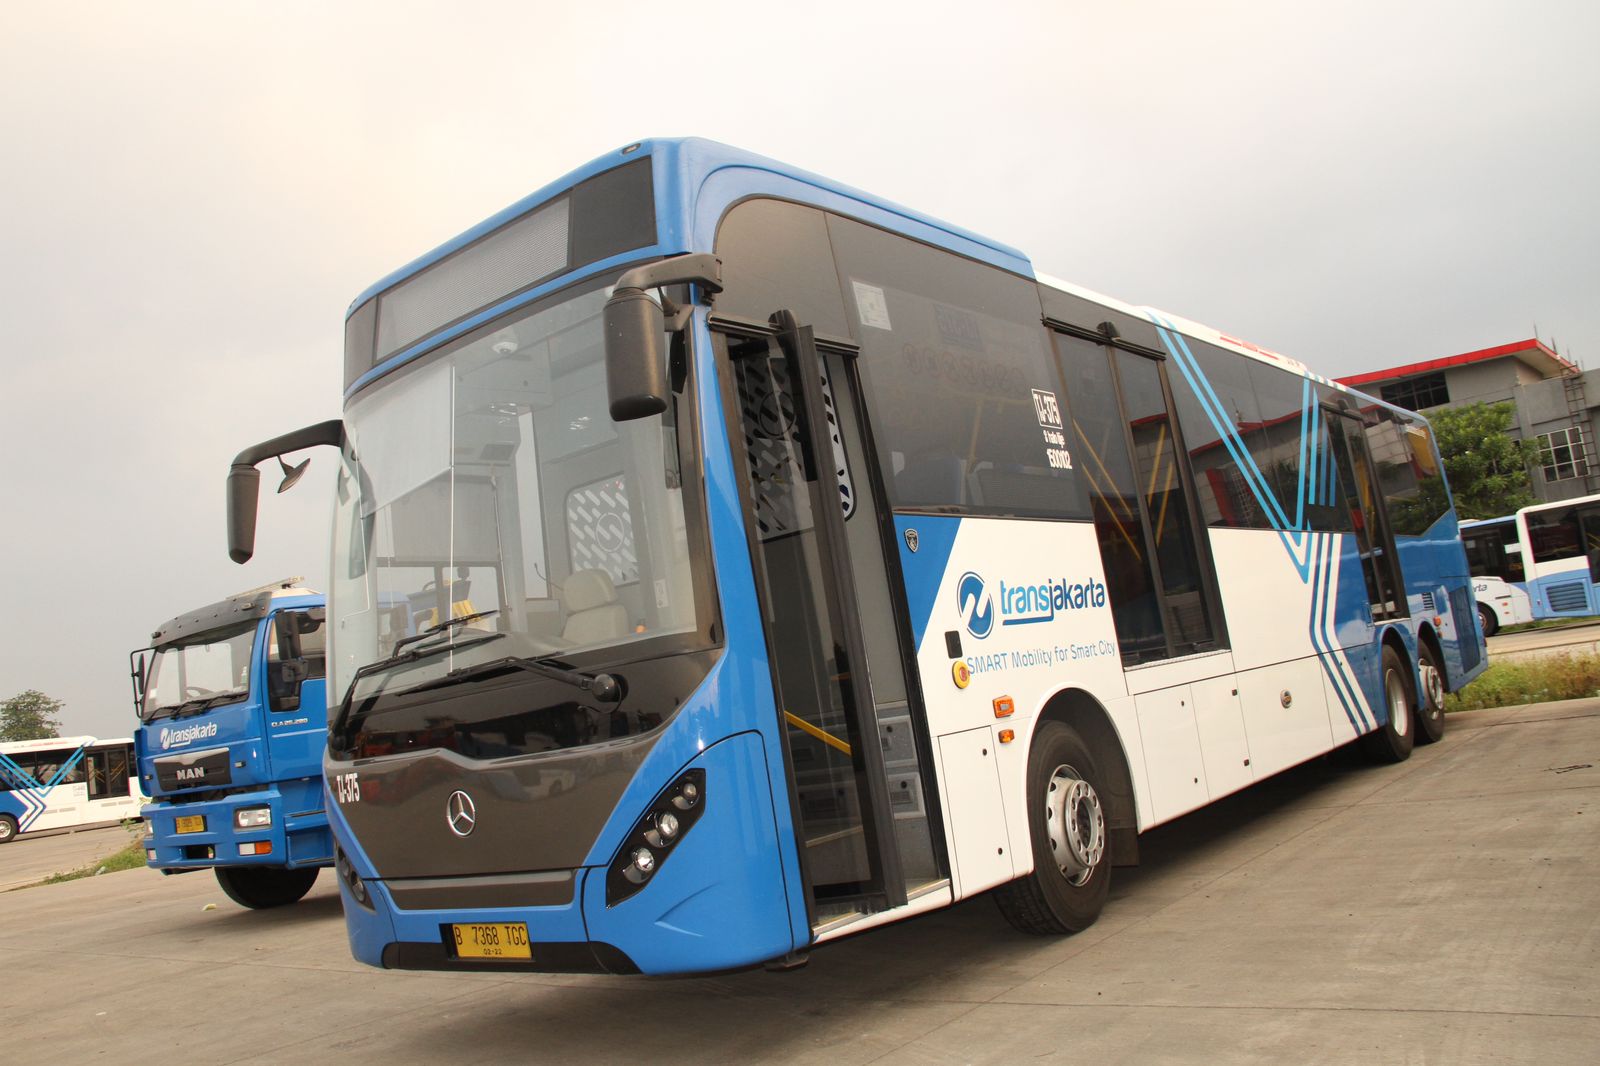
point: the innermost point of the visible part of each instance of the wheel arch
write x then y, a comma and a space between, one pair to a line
1086, 716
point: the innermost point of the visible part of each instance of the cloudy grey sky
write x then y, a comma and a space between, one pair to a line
193, 192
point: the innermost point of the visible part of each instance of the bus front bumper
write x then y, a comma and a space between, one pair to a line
718, 903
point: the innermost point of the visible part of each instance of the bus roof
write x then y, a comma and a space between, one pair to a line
683, 164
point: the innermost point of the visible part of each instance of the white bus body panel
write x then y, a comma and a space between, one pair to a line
1509, 603
1192, 729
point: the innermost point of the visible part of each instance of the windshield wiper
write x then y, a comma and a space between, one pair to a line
602, 686
441, 627
199, 703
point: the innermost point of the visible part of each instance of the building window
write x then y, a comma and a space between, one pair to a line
1562, 454
1416, 393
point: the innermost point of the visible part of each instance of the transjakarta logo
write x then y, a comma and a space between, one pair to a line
972, 600
1022, 604
179, 738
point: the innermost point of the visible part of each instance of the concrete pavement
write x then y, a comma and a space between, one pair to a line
1580, 638
1444, 910
29, 859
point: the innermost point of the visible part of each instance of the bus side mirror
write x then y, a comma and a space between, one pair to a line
635, 328
244, 480
636, 355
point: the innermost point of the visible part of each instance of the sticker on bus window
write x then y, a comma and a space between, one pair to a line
871, 305
1048, 409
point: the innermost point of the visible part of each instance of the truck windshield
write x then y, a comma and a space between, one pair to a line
490, 480
212, 668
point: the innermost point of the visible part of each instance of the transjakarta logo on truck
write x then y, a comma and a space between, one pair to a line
1022, 604
178, 738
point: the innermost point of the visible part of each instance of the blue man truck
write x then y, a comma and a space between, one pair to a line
233, 719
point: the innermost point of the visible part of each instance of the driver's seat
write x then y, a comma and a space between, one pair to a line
593, 614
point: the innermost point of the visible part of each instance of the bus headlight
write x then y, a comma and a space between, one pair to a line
252, 817
656, 835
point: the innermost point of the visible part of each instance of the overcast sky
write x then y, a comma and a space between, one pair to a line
193, 193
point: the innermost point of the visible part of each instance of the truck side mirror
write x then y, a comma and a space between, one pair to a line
635, 326
283, 683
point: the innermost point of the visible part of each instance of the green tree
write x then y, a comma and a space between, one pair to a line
30, 715
1487, 467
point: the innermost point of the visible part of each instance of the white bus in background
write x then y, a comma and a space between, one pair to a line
1561, 551
1499, 579
64, 783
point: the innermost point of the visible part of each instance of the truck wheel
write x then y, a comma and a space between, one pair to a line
1067, 823
8, 829
1392, 741
1429, 715
1489, 620
259, 887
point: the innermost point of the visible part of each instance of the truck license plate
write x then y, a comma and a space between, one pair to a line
191, 823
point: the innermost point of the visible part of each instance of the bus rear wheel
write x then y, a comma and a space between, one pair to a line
1392, 741
1067, 823
1429, 715
1488, 620
8, 829
260, 887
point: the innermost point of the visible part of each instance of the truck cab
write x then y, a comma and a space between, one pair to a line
233, 719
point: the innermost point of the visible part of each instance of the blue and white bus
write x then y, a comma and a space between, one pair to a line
65, 783
1560, 550
1499, 578
828, 565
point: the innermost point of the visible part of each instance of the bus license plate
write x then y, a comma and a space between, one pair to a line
492, 940
191, 823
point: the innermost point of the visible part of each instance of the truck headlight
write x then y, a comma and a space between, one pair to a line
252, 817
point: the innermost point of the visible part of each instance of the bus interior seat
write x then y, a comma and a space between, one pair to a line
593, 612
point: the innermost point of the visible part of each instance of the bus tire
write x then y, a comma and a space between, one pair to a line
1429, 715
1391, 742
1488, 620
1067, 824
260, 887
8, 829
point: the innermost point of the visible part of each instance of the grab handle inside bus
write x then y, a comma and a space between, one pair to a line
635, 331
244, 480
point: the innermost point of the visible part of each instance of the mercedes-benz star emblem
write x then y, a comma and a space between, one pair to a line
460, 814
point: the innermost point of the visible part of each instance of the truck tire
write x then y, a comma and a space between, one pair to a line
1067, 824
260, 887
8, 829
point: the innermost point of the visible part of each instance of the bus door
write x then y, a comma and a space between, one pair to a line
1358, 480
820, 534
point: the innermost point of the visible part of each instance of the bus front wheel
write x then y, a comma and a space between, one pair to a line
8, 829
259, 887
1393, 739
1067, 823
1487, 618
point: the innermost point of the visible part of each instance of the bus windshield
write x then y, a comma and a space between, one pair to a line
212, 669
486, 493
